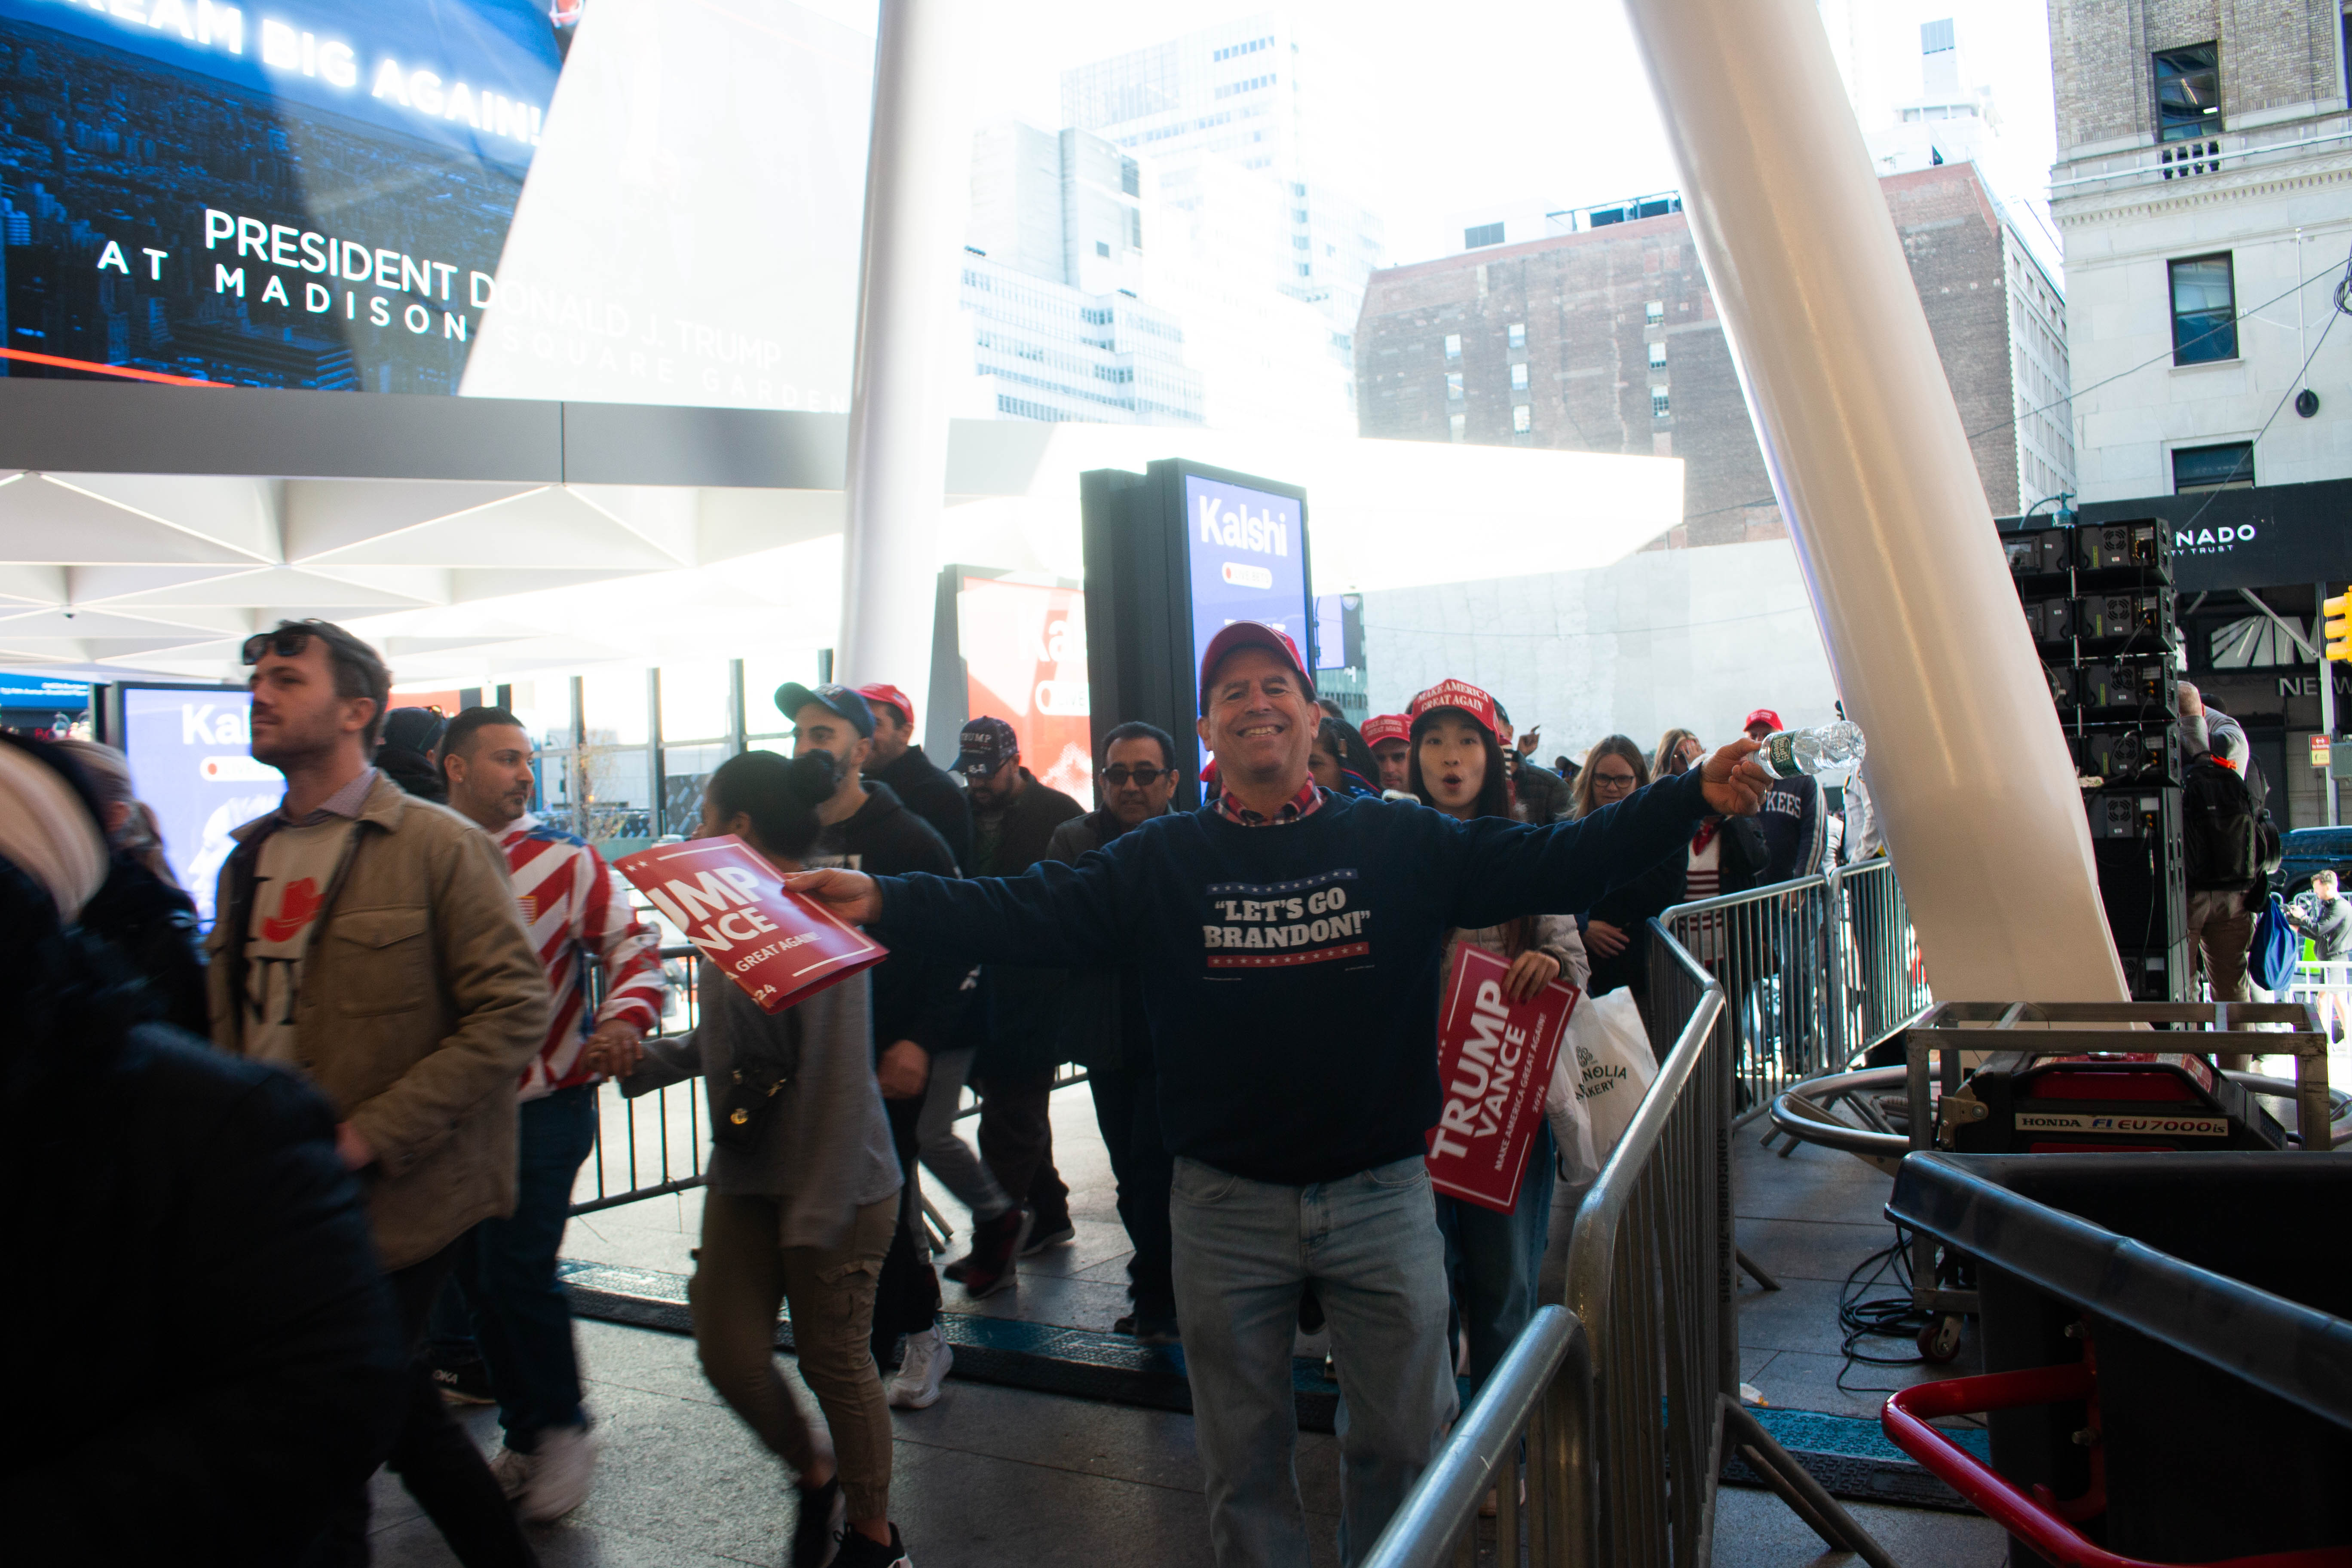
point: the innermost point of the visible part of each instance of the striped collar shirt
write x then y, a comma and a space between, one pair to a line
577, 910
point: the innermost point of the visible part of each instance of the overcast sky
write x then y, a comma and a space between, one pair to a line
1507, 104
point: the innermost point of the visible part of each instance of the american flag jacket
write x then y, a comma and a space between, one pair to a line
577, 911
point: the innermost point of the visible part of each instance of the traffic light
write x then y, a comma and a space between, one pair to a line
2337, 626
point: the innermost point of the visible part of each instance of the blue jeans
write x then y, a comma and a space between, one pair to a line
1242, 1250
506, 1272
1494, 1259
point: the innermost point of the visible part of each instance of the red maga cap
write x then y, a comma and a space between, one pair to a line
1251, 634
1386, 726
1461, 695
888, 696
1762, 716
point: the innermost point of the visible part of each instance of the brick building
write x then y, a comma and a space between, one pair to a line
2204, 193
1606, 339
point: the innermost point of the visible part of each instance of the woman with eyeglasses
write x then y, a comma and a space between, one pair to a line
1615, 938
801, 1196
1456, 766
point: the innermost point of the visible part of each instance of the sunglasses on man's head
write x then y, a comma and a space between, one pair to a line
1118, 773
287, 642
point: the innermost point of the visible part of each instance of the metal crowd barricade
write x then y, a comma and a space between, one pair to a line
1814, 972
655, 1144
1627, 1402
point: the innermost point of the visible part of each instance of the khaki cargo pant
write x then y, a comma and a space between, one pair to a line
743, 1276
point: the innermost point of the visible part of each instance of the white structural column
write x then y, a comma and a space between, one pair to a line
917, 188
1968, 765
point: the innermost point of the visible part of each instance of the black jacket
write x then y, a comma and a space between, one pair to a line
153, 924
1022, 1008
914, 997
931, 793
1794, 834
215, 1357
1540, 792
1104, 1027
1630, 909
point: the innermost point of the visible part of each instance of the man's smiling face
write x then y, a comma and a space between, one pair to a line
1261, 721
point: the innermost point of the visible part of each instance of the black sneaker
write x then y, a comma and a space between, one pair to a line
464, 1382
824, 1513
1148, 1330
859, 1551
990, 1267
1049, 1230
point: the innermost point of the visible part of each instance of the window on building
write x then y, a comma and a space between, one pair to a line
1519, 378
1453, 345
2229, 466
2204, 311
2188, 92
1657, 356
1522, 419
1458, 424
1306, 269
1518, 334
1655, 312
1130, 177
1102, 247
1658, 409
1453, 386
1301, 242
1482, 234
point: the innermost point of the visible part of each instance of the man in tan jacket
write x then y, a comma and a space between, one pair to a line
369, 941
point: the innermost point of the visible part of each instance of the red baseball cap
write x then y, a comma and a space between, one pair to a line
1251, 634
889, 697
1386, 726
1762, 716
1461, 695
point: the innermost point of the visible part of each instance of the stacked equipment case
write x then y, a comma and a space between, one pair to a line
2098, 601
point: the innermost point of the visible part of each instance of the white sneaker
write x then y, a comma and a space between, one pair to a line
512, 1470
923, 1369
562, 1473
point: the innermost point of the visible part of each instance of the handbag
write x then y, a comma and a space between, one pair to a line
755, 1081
2271, 956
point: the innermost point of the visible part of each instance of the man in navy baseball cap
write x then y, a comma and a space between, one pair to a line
839, 700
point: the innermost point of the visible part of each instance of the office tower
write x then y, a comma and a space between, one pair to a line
1602, 336
1246, 97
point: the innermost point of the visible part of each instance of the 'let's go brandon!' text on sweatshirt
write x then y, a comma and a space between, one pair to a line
1291, 972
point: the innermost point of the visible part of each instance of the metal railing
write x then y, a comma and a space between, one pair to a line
1814, 972
1623, 1405
655, 1144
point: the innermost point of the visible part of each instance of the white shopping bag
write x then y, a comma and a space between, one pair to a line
1571, 1123
1611, 1072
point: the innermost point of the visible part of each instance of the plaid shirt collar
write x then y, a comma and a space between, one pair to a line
1305, 804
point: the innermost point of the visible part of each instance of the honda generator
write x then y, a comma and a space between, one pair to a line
2103, 1102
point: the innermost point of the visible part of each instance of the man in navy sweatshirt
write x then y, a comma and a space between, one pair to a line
1289, 942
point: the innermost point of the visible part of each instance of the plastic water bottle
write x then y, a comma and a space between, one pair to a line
1830, 748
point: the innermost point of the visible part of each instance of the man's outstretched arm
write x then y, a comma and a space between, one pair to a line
1051, 916
1506, 869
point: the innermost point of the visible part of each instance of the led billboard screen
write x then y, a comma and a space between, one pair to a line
493, 197
191, 760
1024, 653
1245, 553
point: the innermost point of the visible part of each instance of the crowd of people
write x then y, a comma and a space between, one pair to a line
348, 1121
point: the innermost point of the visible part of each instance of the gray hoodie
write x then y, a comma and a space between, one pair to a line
827, 1152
